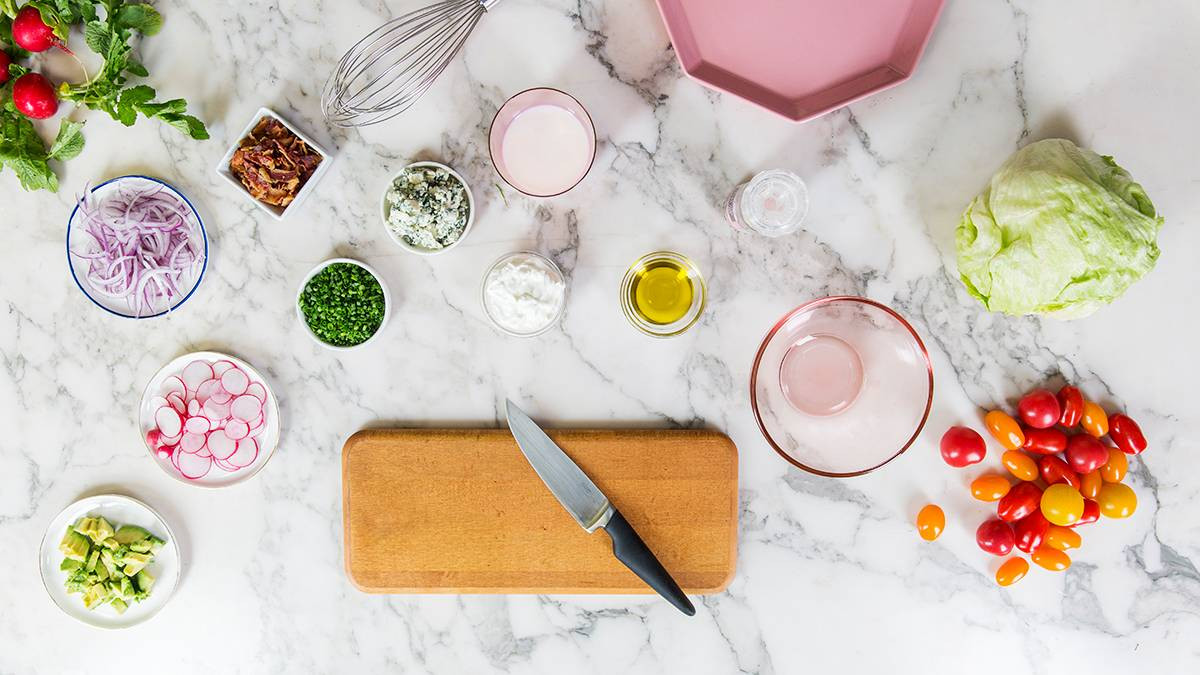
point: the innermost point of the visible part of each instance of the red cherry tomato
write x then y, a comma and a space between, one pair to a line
1085, 454
1022, 500
1071, 402
1004, 429
1091, 513
1126, 434
962, 446
1030, 530
995, 537
1039, 409
1054, 470
1045, 441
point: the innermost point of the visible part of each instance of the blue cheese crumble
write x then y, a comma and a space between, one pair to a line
427, 207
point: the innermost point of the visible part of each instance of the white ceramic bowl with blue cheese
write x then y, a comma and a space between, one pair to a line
428, 208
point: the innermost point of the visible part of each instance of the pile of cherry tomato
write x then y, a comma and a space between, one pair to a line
1065, 477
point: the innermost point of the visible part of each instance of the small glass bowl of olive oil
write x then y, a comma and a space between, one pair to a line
663, 294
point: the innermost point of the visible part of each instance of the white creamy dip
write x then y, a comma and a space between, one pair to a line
524, 293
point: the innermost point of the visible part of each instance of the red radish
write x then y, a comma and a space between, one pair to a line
192, 443
220, 445
247, 452
258, 391
193, 408
5, 59
168, 421
206, 390
154, 438
172, 440
197, 425
245, 408
215, 411
173, 385
164, 454
33, 95
193, 466
234, 381
177, 403
195, 373
32, 34
237, 429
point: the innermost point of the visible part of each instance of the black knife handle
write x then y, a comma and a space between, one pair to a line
629, 548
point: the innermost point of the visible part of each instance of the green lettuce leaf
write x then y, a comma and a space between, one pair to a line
1060, 230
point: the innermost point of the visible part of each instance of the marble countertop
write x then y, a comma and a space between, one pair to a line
831, 575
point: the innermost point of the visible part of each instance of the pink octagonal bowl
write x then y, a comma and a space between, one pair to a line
800, 58
841, 386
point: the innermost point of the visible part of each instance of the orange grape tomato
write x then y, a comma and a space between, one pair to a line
989, 487
1116, 468
1062, 538
1051, 559
1089, 484
1094, 420
1062, 504
931, 520
1020, 465
1012, 571
1005, 429
1117, 500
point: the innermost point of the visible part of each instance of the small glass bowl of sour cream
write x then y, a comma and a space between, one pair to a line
524, 294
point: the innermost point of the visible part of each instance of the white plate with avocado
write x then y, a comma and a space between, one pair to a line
120, 557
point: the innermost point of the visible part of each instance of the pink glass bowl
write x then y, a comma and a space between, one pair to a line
841, 386
518, 104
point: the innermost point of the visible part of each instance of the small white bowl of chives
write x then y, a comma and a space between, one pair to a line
325, 305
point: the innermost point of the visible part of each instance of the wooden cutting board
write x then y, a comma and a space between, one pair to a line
461, 511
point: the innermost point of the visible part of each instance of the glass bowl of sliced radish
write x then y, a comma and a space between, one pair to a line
209, 419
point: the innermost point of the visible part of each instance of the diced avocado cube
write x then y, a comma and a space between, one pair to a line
135, 562
74, 546
127, 589
140, 546
113, 586
130, 534
156, 544
106, 559
69, 565
145, 581
110, 544
119, 605
103, 530
91, 561
83, 525
95, 595
102, 571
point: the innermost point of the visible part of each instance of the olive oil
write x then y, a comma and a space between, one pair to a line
662, 292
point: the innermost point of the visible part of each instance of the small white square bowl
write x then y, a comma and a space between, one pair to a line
278, 213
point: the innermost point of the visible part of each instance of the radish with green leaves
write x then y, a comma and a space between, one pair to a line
33, 95
5, 59
31, 33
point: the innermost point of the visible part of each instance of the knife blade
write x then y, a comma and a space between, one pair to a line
589, 506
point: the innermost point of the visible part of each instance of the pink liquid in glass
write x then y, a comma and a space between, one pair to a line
821, 375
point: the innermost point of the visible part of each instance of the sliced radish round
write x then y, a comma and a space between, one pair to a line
223, 465
220, 445
247, 452
172, 440
173, 385
206, 389
192, 443
177, 402
221, 366
193, 408
257, 390
221, 396
215, 411
157, 402
246, 408
236, 429
164, 454
204, 451
197, 425
193, 466
154, 438
168, 421
194, 373
234, 381
175, 458
257, 431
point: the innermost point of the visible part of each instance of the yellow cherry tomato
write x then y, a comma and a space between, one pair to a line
1095, 420
1012, 571
1117, 466
930, 522
1061, 538
1004, 429
990, 487
1051, 558
1062, 504
1020, 465
1089, 484
1117, 500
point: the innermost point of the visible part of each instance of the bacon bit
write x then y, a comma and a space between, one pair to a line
273, 163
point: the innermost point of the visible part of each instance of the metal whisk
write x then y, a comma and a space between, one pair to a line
388, 70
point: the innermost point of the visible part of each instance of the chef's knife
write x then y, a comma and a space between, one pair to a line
590, 508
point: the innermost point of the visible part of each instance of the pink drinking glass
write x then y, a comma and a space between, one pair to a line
530, 98
841, 386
